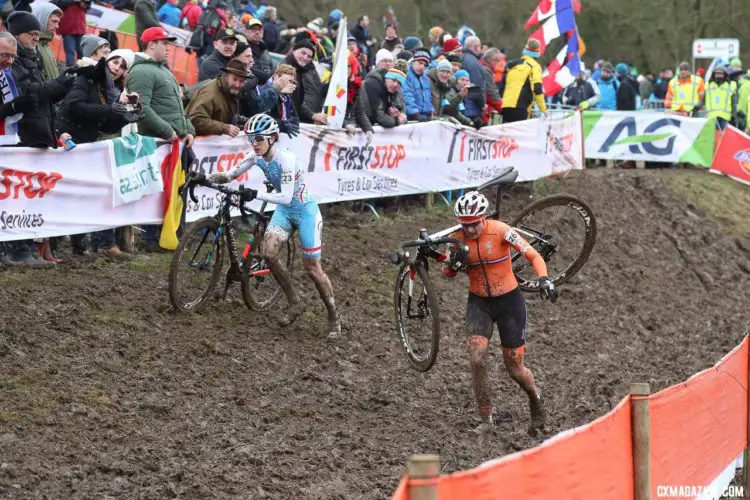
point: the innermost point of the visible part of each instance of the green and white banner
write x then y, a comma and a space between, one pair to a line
643, 136
135, 168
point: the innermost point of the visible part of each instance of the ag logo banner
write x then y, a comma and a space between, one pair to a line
648, 136
135, 168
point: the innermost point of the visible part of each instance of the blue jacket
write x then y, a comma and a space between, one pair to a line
608, 91
476, 75
417, 94
169, 14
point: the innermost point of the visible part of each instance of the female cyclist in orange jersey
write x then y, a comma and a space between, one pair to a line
495, 298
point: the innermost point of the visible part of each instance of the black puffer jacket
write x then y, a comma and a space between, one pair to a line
37, 129
306, 97
84, 114
212, 65
376, 100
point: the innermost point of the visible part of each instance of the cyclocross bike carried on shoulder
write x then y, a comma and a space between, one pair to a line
415, 302
199, 257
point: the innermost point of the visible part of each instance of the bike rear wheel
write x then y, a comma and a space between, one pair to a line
417, 317
196, 265
562, 228
260, 291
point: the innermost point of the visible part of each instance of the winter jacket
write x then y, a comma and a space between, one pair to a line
169, 14
376, 100
646, 89
263, 67
307, 95
255, 99
608, 90
356, 115
282, 108
161, 98
445, 98
389, 45
212, 108
492, 95
417, 95
212, 65
37, 129
476, 75
660, 88
361, 34
627, 94
42, 11
73, 21
190, 15
579, 92
85, 113
270, 35
144, 13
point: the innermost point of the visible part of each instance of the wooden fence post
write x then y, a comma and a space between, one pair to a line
746, 455
641, 425
424, 470
429, 200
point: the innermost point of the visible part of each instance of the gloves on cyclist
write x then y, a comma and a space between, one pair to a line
547, 289
248, 195
457, 261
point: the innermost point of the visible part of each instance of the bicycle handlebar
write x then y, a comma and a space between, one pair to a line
223, 189
398, 256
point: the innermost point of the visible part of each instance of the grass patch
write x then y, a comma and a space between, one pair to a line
721, 197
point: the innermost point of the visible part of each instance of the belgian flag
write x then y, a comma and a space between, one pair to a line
174, 172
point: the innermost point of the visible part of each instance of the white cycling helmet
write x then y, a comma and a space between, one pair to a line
261, 124
472, 204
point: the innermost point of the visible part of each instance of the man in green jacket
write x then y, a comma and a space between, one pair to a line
48, 15
158, 89
161, 97
743, 100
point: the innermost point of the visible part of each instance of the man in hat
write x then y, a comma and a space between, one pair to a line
522, 86
94, 47
214, 105
160, 94
384, 59
224, 45
720, 99
382, 99
684, 91
417, 90
263, 67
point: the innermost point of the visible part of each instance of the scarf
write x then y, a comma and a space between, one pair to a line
9, 125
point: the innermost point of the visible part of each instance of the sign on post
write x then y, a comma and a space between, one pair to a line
711, 48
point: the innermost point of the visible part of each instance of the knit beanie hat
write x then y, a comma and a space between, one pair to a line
383, 55
435, 32
451, 44
621, 69
735, 62
405, 55
461, 73
22, 22
444, 65
401, 65
304, 44
90, 43
397, 75
412, 43
127, 55
422, 55
453, 58
533, 48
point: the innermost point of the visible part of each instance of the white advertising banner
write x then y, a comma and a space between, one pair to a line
135, 168
53, 193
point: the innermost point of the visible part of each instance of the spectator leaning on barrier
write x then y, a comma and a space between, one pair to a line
522, 86
417, 92
307, 95
144, 13
582, 93
627, 93
445, 98
161, 99
383, 101
263, 67
213, 107
169, 13
49, 16
355, 107
225, 44
720, 99
72, 27
684, 91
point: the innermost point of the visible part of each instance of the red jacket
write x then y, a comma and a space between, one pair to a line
73, 21
192, 12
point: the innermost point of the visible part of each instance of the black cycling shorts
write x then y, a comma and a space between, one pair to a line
508, 311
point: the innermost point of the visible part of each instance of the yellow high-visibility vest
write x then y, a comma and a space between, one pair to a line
685, 95
719, 99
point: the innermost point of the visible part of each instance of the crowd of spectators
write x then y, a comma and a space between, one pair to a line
100, 91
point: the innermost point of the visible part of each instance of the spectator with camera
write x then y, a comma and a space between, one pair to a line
216, 103
445, 98
224, 47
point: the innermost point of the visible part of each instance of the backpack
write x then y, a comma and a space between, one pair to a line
210, 19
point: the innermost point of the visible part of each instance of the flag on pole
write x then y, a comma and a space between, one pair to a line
173, 175
335, 103
548, 8
560, 22
564, 69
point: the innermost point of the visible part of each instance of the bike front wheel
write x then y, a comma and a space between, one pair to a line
196, 265
562, 228
260, 291
417, 316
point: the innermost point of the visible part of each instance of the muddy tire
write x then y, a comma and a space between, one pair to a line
188, 267
549, 240
425, 310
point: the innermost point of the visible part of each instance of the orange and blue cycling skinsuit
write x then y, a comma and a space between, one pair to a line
494, 295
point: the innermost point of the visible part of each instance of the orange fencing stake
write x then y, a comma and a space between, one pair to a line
423, 472
641, 425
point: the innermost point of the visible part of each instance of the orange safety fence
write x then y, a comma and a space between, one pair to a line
184, 66
700, 426
697, 429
